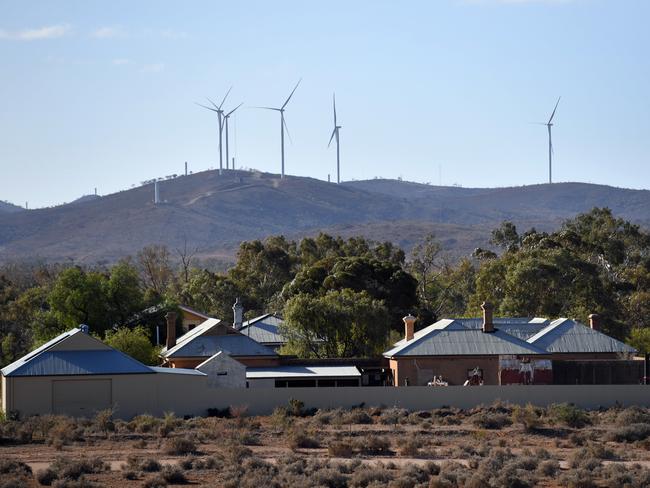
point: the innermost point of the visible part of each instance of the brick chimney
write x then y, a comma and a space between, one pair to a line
488, 325
594, 321
409, 327
171, 329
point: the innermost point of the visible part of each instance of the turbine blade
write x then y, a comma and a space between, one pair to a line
209, 108
268, 108
284, 122
331, 137
213, 104
334, 103
231, 112
224, 98
553, 114
292, 92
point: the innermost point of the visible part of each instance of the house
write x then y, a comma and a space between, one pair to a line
303, 376
191, 318
77, 374
209, 338
496, 351
265, 329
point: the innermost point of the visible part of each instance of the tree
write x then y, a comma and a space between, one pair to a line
506, 236
340, 323
382, 280
123, 292
155, 268
134, 342
79, 297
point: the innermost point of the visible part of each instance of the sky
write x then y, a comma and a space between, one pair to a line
102, 94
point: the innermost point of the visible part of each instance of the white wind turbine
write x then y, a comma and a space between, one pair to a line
218, 109
548, 125
225, 118
283, 124
335, 133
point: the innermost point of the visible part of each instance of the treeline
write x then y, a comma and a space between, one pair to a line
344, 297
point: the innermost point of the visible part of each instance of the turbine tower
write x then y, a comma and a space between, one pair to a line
283, 124
225, 118
218, 109
335, 132
548, 125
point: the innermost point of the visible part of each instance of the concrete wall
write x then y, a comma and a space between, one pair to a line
190, 395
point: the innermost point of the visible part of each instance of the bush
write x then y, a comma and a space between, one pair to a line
548, 468
356, 416
409, 447
366, 476
340, 449
633, 415
148, 465
155, 482
330, 478
46, 476
14, 482
527, 416
570, 415
630, 433
130, 475
173, 475
373, 444
17, 468
67, 469
492, 421
179, 446
298, 438
578, 479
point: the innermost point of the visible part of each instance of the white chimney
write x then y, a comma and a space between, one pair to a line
238, 314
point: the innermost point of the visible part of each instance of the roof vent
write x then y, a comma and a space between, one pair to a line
84, 328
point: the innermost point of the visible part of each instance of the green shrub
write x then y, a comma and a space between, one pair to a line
570, 415
527, 416
492, 421
630, 433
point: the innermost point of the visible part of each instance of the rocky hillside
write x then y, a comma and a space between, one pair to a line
214, 213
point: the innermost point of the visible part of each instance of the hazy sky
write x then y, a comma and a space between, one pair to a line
101, 94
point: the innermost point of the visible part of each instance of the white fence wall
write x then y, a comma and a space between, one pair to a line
413, 398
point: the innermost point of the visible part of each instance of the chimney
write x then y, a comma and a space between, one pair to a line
594, 321
238, 315
409, 327
488, 325
171, 329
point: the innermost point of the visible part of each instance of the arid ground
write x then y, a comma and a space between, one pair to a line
494, 446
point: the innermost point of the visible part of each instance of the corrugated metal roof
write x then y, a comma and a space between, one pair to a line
520, 327
58, 363
264, 329
190, 372
302, 372
569, 336
202, 328
463, 342
208, 345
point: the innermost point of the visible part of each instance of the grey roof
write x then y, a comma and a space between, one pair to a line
521, 327
93, 357
57, 363
264, 329
450, 338
184, 371
569, 336
298, 371
205, 341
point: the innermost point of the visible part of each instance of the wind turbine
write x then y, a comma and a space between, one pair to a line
219, 111
225, 118
283, 124
549, 124
335, 132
